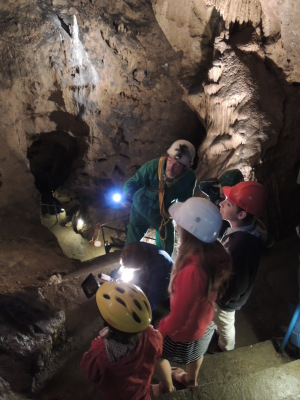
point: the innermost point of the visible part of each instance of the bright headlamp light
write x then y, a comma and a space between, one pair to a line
126, 274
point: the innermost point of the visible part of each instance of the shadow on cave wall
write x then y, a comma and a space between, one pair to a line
31, 331
213, 29
24, 311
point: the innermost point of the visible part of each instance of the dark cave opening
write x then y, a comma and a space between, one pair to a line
51, 158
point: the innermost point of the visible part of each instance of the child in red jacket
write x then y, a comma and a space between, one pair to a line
201, 268
121, 360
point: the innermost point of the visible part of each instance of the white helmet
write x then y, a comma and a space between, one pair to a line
183, 151
198, 216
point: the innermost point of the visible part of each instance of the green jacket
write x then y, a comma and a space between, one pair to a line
143, 190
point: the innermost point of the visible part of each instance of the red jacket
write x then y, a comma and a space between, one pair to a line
191, 312
128, 378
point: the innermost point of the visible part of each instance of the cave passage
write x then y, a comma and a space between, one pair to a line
51, 158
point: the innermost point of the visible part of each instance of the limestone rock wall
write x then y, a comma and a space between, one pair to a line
243, 84
102, 73
114, 84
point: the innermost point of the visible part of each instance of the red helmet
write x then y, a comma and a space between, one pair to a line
251, 196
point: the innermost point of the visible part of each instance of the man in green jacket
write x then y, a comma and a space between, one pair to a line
153, 188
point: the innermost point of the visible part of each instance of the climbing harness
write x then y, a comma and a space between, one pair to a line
165, 217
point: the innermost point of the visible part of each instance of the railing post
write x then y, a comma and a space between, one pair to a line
291, 327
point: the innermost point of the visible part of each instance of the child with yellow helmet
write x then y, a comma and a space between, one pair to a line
121, 360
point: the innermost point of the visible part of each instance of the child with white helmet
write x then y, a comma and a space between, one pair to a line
201, 268
122, 358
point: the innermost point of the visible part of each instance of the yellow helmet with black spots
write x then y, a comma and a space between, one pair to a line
124, 306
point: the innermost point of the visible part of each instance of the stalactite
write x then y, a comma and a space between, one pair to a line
241, 11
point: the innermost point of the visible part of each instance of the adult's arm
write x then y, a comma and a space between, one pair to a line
244, 250
210, 189
187, 186
138, 180
159, 280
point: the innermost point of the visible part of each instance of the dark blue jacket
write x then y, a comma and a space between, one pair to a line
154, 278
245, 250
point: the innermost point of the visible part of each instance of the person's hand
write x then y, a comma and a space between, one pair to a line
126, 204
105, 332
126, 201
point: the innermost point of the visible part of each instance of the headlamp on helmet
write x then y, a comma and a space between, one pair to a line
183, 151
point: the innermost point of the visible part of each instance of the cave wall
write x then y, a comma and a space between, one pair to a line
125, 79
247, 97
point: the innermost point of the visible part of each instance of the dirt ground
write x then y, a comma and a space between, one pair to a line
57, 263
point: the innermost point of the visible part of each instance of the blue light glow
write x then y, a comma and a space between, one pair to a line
117, 197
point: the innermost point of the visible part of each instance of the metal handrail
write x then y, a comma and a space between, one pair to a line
51, 205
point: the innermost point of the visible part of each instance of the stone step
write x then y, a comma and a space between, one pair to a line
222, 367
275, 383
256, 372
241, 361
